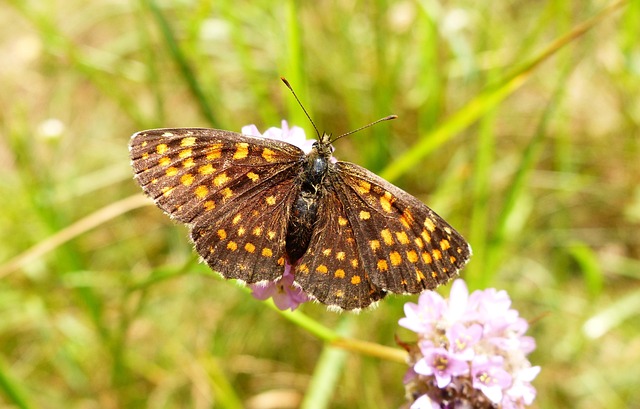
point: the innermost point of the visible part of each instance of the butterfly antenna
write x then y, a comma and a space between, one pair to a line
386, 118
301, 106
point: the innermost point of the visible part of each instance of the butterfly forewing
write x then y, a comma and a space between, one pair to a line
403, 245
234, 190
193, 172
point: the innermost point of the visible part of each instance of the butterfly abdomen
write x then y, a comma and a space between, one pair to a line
304, 210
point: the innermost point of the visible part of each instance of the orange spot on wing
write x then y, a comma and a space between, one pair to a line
395, 258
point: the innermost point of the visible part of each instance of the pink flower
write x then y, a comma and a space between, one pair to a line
423, 402
471, 351
294, 135
463, 338
443, 365
283, 291
489, 377
521, 391
422, 316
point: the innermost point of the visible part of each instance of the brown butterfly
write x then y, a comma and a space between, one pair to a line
254, 204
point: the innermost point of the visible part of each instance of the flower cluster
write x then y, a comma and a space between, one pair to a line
471, 351
285, 294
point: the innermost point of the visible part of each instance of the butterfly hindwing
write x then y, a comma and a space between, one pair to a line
332, 269
404, 245
248, 243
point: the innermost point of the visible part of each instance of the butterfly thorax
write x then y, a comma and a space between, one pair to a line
304, 209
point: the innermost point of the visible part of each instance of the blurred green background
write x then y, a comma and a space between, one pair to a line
517, 123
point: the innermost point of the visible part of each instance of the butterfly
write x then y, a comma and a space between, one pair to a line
254, 204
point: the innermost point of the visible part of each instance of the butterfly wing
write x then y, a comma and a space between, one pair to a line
376, 238
235, 192
404, 246
332, 269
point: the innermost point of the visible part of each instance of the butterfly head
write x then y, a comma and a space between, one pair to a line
323, 146
318, 159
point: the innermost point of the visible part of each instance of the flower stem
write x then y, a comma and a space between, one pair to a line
334, 339
371, 349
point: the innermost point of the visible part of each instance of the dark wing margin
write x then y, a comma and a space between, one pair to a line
404, 246
235, 191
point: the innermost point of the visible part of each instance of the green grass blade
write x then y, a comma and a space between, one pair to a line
184, 66
327, 372
590, 267
14, 392
517, 187
487, 100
